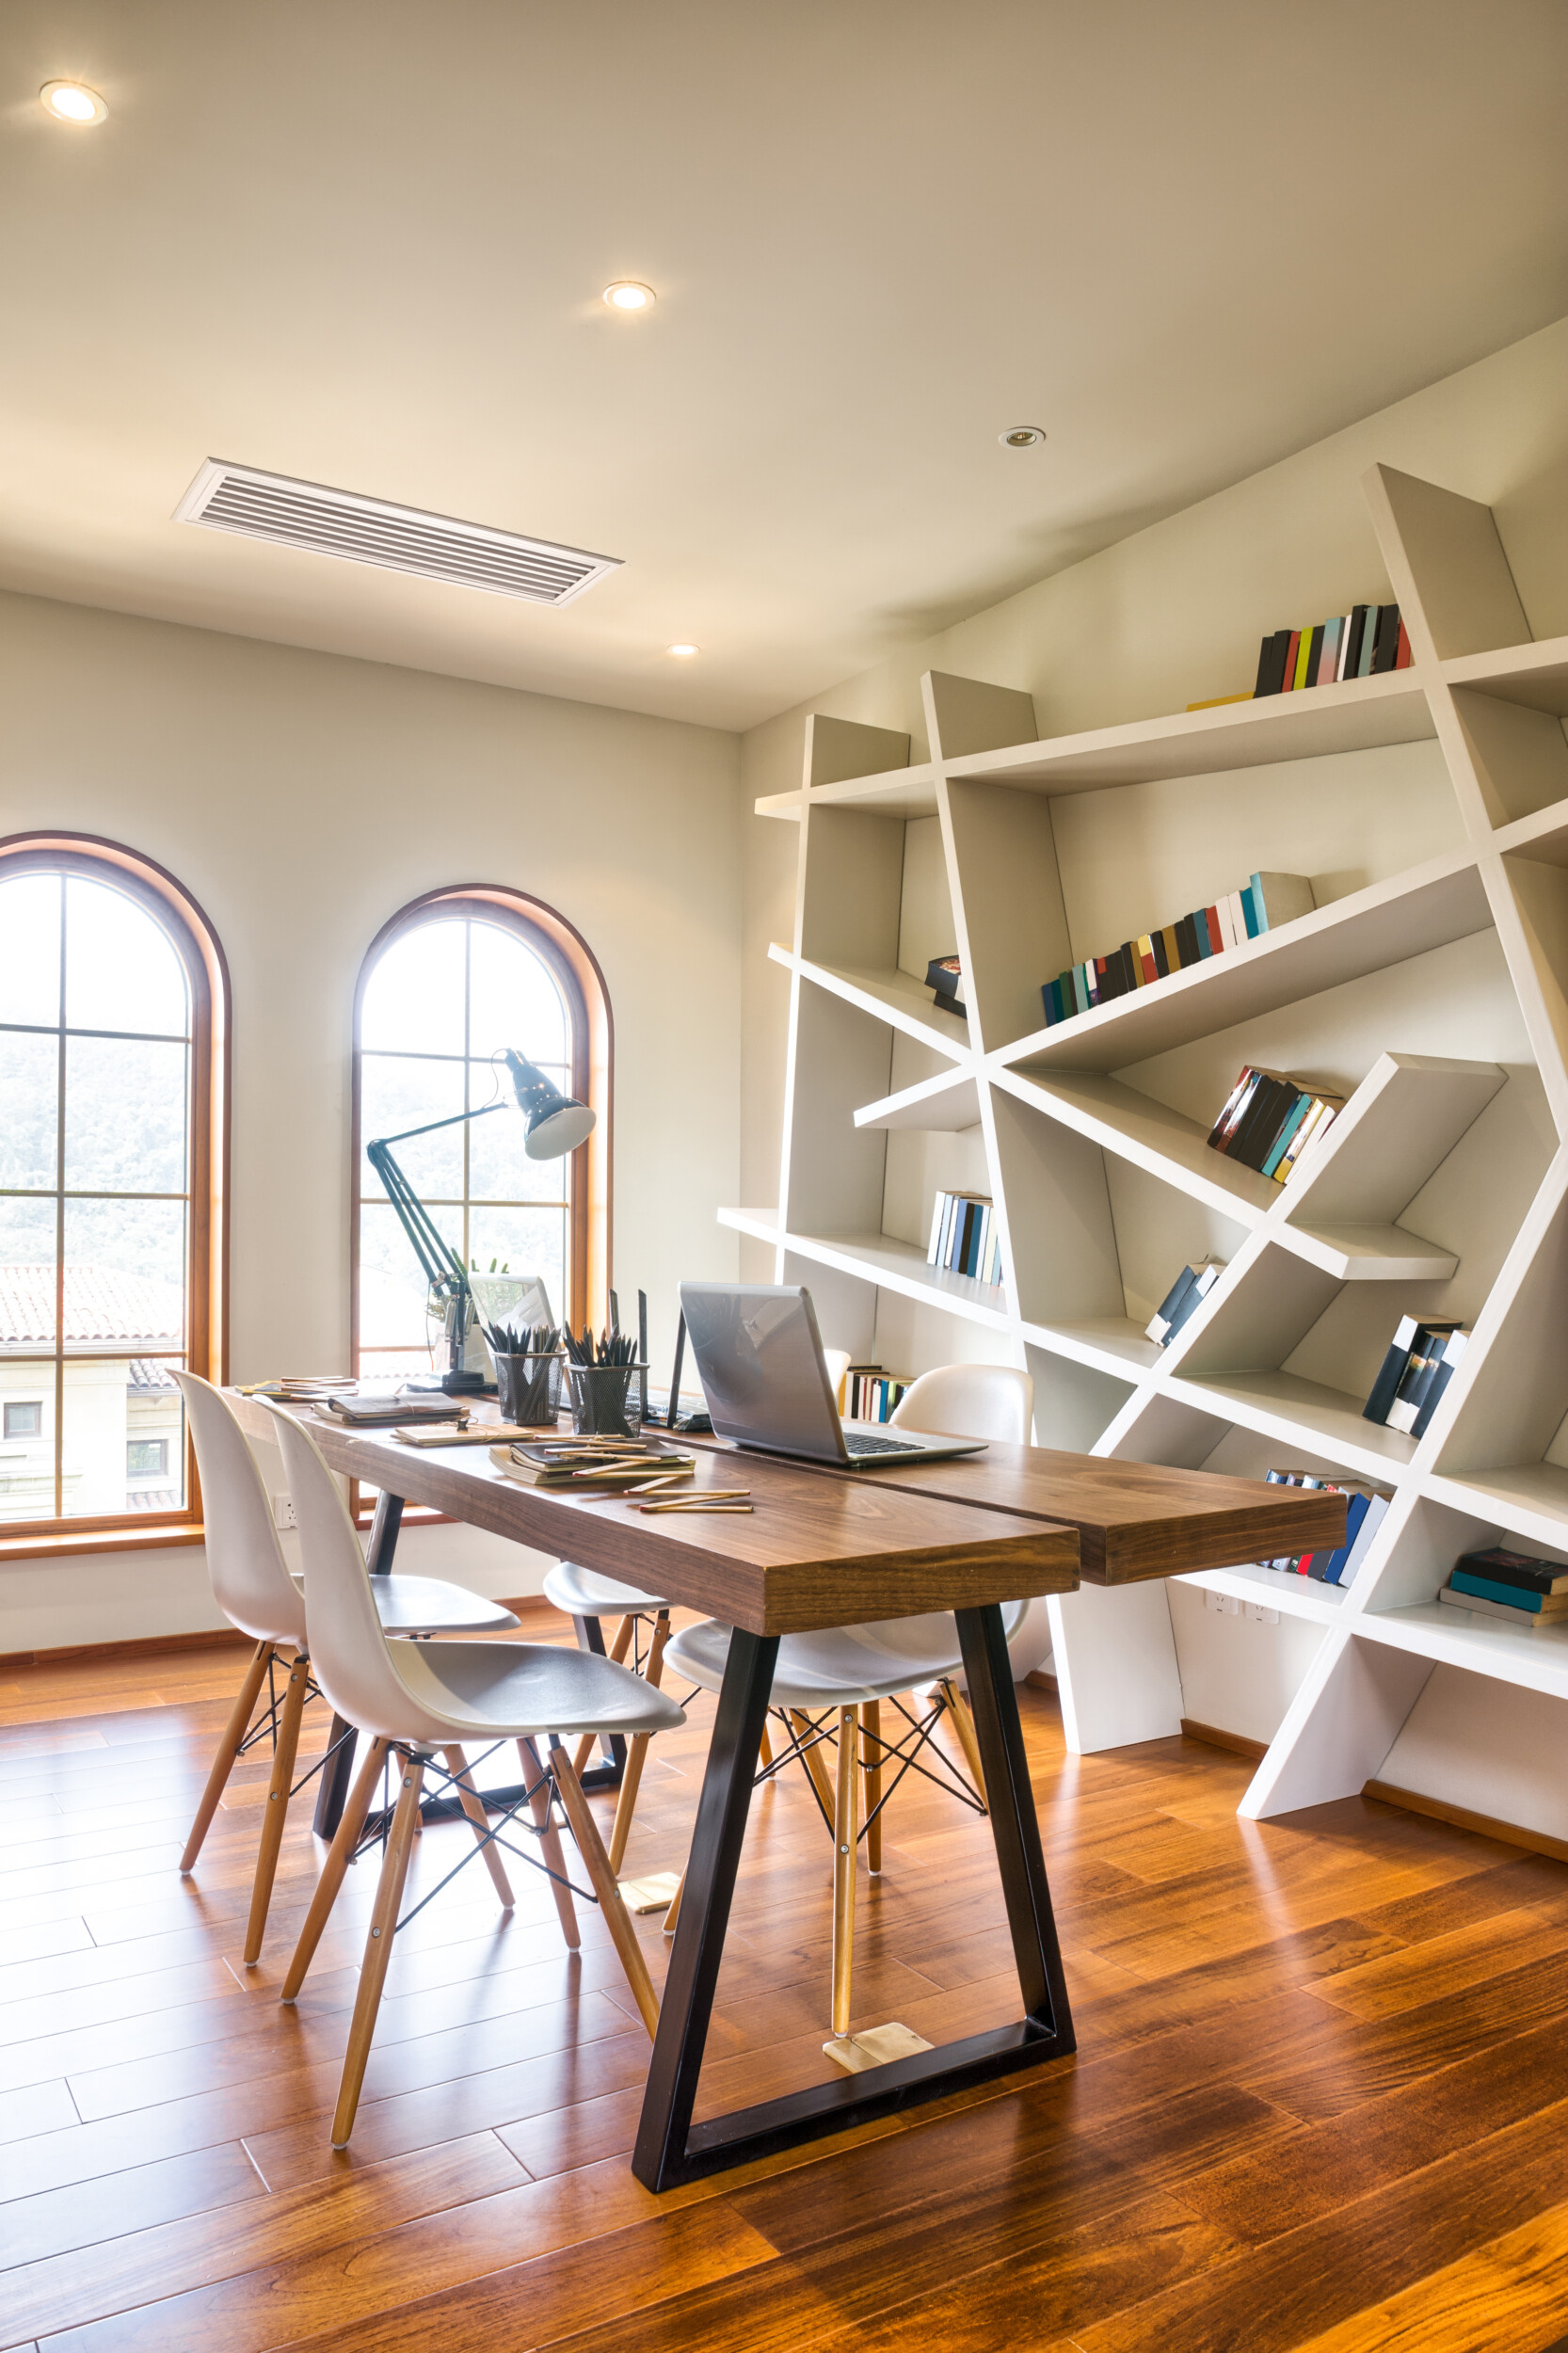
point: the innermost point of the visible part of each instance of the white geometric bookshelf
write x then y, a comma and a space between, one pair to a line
1441, 1188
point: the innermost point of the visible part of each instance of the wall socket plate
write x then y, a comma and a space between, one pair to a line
284, 1511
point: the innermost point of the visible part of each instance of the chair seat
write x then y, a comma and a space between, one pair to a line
584, 1593
511, 1691
428, 1605
843, 1667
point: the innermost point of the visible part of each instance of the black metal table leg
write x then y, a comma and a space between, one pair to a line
670, 2148
590, 1636
338, 1772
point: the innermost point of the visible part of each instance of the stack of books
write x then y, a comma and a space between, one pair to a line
1366, 1509
1268, 1120
1260, 905
1186, 1294
364, 1410
964, 1238
1517, 1588
1422, 1359
1361, 643
943, 976
867, 1392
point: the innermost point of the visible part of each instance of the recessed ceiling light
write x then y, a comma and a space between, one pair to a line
628, 295
1022, 437
73, 101
682, 653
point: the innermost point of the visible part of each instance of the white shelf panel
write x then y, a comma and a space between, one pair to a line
1327, 1422
1424, 907
1293, 1596
897, 792
1527, 1498
785, 805
1113, 1344
1536, 676
895, 996
1148, 1133
896, 1266
1542, 835
1369, 1253
1460, 1638
761, 1224
945, 1105
1358, 716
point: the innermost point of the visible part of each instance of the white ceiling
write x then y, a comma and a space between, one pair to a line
363, 241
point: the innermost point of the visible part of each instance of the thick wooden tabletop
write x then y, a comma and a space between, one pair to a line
814, 1552
1134, 1520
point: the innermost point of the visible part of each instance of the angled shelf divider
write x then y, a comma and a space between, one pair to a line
1410, 1203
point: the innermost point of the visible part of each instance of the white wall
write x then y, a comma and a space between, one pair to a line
303, 798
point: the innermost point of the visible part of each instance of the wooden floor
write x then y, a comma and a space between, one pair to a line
1321, 2097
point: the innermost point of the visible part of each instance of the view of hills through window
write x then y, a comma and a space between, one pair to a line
95, 1079
446, 995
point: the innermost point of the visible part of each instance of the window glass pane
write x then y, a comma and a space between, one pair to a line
29, 1104
516, 1000
524, 1242
124, 1275
122, 971
398, 1092
392, 1289
126, 1104
499, 1166
26, 1441
26, 1275
413, 1000
112, 1403
30, 948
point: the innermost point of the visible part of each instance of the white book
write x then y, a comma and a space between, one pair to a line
937, 1210
1238, 918
1522, 1621
1344, 648
1228, 922
948, 1207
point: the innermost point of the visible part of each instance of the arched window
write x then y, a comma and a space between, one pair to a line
447, 983
113, 1039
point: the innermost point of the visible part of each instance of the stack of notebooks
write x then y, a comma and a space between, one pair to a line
964, 1238
1268, 1120
366, 1411
1361, 643
867, 1392
1515, 1587
1260, 905
1422, 1359
1366, 1509
1185, 1296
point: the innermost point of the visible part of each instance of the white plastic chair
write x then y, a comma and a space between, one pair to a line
256, 1592
416, 1697
847, 1672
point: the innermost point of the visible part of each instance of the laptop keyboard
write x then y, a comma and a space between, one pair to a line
858, 1445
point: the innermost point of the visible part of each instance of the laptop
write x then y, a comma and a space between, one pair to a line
760, 1355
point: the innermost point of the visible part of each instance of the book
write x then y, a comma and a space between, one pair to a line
1314, 658
362, 1413
943, 975
1282, 1142
1386, 1386
1278, 899
1453, 1352
1288, 684
1387, 641
1415, 1382
1235, 1108
1368, 641
1184, 1298
1524, 1569
1522, 1621
1378, 1502
1349, 652
1271, 663
1510, 1596
1265, 1112
1402, 655
1328, 666
1318, 1119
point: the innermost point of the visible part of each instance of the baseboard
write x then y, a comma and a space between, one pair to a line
141, 1646
1439, 1810
1238, 1742
1038, 1680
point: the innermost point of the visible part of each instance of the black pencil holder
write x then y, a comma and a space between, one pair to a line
606, 1400
528, 1387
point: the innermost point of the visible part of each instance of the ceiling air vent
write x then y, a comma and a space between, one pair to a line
398, 538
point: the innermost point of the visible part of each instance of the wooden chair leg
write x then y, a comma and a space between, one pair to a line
550, 1845
228, 1748
616, 1918
338, 1856
870, 1751
637, 1754
767, 1747
845, 1834
963, 1723
618, 1649
673, 1914
373, 1969
812, 1758
277, 1806
469, 1798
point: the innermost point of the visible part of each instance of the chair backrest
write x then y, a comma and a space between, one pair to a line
250, 1577
348, 1650
837, 1361
969, 1401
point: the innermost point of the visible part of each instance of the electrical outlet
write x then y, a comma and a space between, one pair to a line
1225, 1604
282, 1511
1262, 1613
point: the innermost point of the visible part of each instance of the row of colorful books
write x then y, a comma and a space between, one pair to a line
1422, 1359
1366, 1509
1268, 1120
867, 1392
1184, 1298
964, 1235
1260, 905
1361, 643
1519, 1589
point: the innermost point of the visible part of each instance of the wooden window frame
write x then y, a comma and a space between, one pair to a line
560, 947
200, 952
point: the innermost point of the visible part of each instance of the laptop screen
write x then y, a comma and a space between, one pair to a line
760, 1355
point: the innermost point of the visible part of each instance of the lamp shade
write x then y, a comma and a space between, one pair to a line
557, 1123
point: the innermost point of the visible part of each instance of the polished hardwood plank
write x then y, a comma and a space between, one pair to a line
1318, 2096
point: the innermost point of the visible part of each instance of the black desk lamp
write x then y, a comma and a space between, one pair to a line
557, 1124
